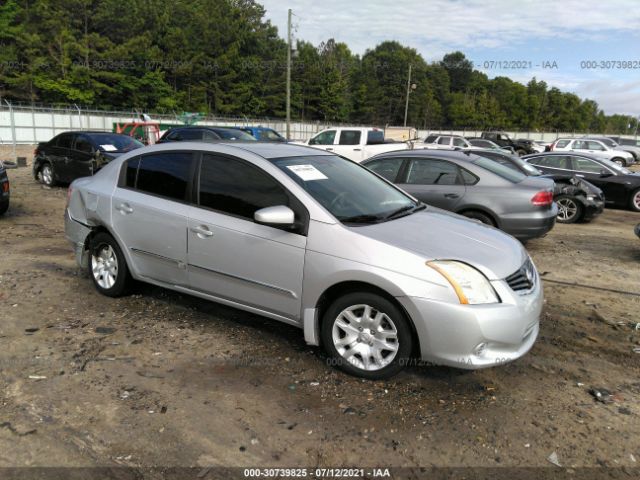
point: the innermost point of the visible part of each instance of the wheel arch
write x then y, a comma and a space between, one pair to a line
480, 209
337, 290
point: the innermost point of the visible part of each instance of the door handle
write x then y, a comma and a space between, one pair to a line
202, 231
579, 175
329, 149
124, 208
451, 195
357, 149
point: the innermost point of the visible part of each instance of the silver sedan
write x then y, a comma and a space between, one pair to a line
313, 240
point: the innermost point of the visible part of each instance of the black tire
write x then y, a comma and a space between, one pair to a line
620, 161
570, 210
4, 206
47, 179
391, 363
108, 281
483, 217
634, 200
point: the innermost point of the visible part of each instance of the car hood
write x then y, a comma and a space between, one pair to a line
440, 235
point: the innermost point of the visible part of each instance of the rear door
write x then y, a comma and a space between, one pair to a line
350, 144
232, 257
150, 211
435, 182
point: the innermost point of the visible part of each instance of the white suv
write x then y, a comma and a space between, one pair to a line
593, 147
445, 142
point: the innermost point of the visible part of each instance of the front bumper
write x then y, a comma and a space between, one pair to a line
477, 336
76, 233
593, 208
528, 226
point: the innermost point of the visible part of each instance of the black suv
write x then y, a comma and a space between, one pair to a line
4, 190
72, 155
205, 134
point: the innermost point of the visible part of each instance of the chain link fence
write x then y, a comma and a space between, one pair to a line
26, 124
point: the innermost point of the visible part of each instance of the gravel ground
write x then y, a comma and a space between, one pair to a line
162, 379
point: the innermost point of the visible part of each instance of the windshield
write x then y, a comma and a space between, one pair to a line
114, 142
350, 192
500, 170
233, 134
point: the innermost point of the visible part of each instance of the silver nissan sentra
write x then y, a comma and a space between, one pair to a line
313, 240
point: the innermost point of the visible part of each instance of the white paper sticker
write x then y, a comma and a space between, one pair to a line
307, 172
108, 148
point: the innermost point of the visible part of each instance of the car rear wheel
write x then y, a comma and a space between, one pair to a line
482, 217
619, 161
366, 335
634, 203
108, 267
569, 209
47, 176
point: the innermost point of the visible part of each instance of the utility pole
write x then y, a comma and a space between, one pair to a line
406, 106
289, 75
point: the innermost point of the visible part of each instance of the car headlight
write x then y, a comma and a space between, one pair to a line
471, 286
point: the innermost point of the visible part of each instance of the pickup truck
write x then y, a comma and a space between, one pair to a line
354, 143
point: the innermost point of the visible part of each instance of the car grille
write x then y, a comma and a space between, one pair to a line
524, 279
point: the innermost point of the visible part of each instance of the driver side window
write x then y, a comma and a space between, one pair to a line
324, 138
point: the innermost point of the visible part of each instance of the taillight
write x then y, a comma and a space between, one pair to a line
542, 199
551, 146
5, 187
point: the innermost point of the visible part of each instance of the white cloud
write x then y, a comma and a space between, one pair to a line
443, 25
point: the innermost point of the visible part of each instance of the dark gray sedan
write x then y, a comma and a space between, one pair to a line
473, 186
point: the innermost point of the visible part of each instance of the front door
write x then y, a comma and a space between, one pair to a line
150, 213
614, 190
232, 257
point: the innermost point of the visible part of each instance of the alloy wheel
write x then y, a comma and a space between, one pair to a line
104, 266
567, 209
46, 174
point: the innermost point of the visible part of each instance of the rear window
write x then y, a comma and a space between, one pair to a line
375, 137
500, 170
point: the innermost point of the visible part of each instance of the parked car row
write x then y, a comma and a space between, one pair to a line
593, 147
364, 258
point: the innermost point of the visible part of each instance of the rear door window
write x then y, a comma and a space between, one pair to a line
581, 164
65, 140
166, 175
350, 137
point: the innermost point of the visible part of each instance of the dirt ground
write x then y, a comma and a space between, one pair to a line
162, 379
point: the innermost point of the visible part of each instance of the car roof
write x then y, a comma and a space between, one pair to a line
272, 150
563, 154
455, 155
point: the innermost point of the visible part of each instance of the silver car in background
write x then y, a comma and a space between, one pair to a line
313, 240
473, 186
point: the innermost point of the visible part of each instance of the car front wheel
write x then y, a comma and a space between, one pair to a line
619, 161
108, 266
569, 209
366, 335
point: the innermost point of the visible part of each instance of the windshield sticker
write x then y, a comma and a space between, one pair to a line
307, 172
108, 148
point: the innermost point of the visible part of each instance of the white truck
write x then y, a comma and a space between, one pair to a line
354, 143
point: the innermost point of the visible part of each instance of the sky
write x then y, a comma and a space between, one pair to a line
558, 41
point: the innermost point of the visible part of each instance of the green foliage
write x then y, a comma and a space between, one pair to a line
223, 57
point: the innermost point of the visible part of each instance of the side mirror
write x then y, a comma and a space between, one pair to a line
278, 215
605, 173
